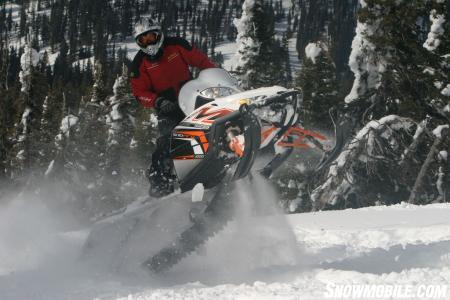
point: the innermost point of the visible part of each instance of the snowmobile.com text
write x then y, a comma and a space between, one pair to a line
383, 291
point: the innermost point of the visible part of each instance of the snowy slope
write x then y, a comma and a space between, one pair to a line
266, 257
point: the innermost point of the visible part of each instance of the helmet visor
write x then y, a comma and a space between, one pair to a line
148, 38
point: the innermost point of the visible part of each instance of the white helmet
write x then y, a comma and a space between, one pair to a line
145, 25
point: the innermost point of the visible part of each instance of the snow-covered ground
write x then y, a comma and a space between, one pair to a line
299, 256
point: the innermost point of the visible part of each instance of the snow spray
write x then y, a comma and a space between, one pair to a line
259, 238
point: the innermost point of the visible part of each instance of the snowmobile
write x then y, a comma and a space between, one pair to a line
227, 134
226, 129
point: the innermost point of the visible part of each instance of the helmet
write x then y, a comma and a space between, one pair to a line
143, 26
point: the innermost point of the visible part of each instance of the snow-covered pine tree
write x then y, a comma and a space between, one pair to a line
66, 170
81, 146
33, 91
334, 20
3, 139
400, 61
257, 60
4, 108
317, 80
99, 93
366, 173
435, 163
438, 67
52, 110
64, 164
120, 121
10, 108
286, 59
397, 68
46, 133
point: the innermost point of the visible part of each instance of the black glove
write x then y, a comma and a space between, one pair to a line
165, 106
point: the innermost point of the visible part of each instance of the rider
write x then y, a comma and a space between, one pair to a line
158, 72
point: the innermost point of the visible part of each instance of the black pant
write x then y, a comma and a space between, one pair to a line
160, 171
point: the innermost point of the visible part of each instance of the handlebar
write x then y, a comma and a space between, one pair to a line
279, 98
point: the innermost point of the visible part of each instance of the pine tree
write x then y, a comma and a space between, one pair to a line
258, 62
64, 155
333, 21
23, 28
143, 143
92, 138
57, 22
317, 80
120, 131
286, 59
50, 120
396, 69
3, 137
79, 162
8, 111
33, 92
62, 64
99, 92
3, 18
9, 20
92, 112
400, 62
66, 168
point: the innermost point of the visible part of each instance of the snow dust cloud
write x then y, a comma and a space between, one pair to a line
28, 233
38, 251
43, 253
258, 241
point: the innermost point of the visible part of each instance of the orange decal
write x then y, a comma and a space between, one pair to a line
196, 133
206, 115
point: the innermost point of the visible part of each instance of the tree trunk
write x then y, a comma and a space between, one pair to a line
431, 157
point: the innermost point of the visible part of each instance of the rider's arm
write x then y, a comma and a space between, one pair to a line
141, 85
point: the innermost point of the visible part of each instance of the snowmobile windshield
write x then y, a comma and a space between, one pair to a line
210, 84
217, 92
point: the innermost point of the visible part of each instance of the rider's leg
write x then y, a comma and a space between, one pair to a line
160, 173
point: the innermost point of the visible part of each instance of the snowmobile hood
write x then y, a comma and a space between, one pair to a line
219, 107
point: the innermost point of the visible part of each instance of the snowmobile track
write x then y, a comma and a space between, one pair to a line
215, 218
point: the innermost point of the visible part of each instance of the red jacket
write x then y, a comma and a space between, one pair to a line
166, 73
